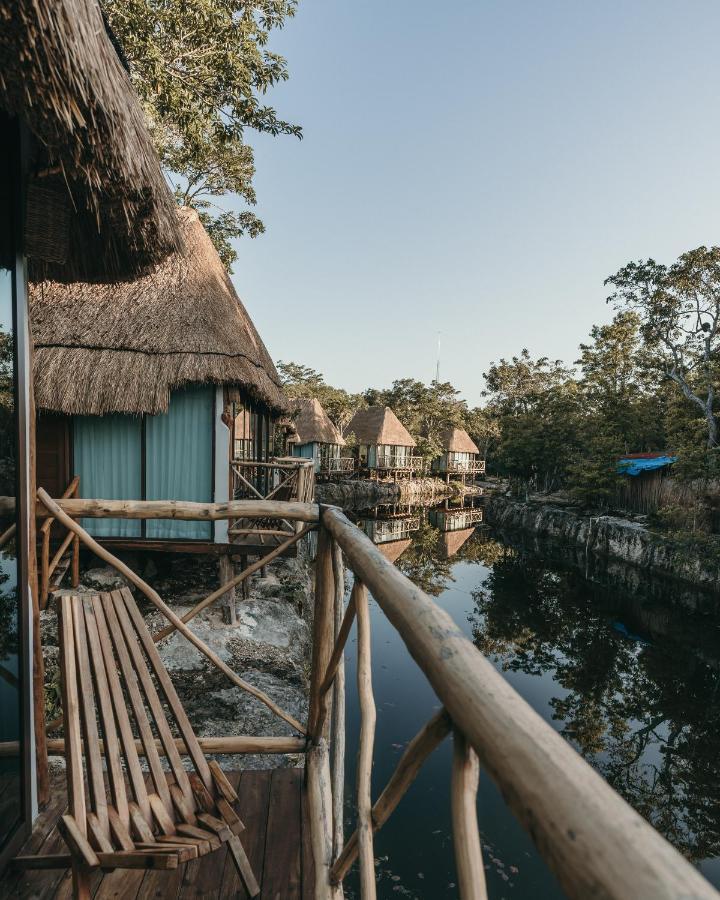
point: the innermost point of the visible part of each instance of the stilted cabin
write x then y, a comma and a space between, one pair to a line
158, 388
460, 456
82, 197
317, 438
384, 447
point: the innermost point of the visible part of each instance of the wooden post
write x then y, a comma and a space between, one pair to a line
337, 745
225, 571
45, 568
75, 573
365, 753
319, 801
323, 627
466, 835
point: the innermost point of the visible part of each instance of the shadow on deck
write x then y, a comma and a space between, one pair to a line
276, 839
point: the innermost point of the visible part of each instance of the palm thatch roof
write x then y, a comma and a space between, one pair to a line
98, 206
379, 425
312, 424
457, 440
124, 347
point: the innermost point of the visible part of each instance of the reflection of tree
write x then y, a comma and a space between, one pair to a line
7, 413
8, 612
646, 715
423, 563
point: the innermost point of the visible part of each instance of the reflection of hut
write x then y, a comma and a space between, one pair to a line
456, 519
393, 550
384, 447
381, 531
451, 541
460, 455
318, 439
138, 379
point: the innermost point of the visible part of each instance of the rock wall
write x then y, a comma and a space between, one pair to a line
364, 494
608, 536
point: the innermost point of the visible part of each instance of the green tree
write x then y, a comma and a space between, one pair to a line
202, 69
679, 311
301, 381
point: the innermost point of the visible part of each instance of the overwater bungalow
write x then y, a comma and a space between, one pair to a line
316, 438
384, 447
460, 456
152, 389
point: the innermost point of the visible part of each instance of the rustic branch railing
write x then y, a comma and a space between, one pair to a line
335, 465
49, 566
287, 479
474, 467
593, 841
400, 463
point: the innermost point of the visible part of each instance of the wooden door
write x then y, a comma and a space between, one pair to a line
54, 457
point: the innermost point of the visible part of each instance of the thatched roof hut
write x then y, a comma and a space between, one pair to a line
379, 425
312, 425
457, 440
98, 206
124, 348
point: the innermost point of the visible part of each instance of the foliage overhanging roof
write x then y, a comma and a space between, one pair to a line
98, 205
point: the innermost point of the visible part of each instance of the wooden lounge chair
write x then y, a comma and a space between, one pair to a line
114, 683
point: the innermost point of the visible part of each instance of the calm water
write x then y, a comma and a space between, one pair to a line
627, 669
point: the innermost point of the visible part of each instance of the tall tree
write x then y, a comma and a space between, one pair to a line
679, 310
202, 68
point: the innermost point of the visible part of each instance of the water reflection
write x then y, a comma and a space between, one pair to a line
625, 666
637, 685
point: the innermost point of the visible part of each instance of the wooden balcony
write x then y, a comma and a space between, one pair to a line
473, 467
593, 841
389, 462
276, 839
337, 465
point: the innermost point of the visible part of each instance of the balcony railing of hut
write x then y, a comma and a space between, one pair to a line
471, 467
70, 542
595, 843
338, 465
399, 462
288, 479
464, 518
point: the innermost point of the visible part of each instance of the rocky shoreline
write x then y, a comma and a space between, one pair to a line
269, 647
364, 494
607, 536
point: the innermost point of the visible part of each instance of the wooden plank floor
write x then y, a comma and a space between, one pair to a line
271, 805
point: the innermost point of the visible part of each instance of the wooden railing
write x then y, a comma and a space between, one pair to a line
461, 518
472, 467
400, 463
49, 566
337, 465
589, 836
289, 479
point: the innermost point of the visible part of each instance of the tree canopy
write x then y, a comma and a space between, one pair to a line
202, 70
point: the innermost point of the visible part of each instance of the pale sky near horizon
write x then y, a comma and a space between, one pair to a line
478, 169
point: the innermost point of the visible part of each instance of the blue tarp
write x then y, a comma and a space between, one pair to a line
637, 466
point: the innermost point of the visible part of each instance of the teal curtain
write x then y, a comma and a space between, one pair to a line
107, 452
178, 460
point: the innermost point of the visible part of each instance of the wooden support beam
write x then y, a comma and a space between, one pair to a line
466, 834
417, 751
234, 582
337, 728
156, 600
323, 627
367, 741
182, 510
319, 802
225, 745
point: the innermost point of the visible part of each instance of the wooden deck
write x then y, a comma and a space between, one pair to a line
276, 840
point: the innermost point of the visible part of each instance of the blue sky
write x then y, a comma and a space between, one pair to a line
475, 168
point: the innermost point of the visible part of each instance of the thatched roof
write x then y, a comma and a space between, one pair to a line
124, 347
379, 425
98, 206
313, 425
457, 440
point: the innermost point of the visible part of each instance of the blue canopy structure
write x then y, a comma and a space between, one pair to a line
638, 465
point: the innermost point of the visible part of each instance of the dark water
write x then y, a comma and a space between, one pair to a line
627, 669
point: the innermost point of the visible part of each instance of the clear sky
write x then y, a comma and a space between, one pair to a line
476, 168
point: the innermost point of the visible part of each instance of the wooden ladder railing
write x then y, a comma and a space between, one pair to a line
594, 842
49, 566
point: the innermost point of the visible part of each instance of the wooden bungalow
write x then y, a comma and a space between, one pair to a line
315, 437
82, 197
460, 456
140, 386
384, 447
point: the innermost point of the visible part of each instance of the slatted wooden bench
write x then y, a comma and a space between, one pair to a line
115, 684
